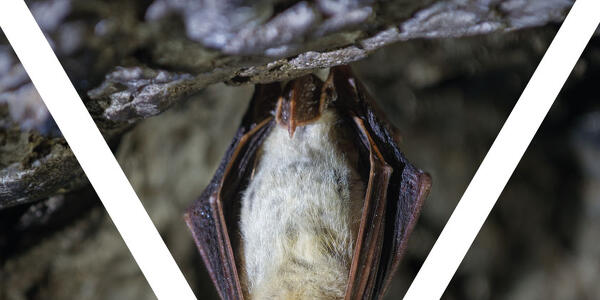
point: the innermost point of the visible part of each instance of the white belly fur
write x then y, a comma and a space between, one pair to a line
300, 214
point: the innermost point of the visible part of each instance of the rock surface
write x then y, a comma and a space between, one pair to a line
131, 60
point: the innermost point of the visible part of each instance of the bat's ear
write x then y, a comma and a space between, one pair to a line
342, 71
343, 87
300, 104
343, 83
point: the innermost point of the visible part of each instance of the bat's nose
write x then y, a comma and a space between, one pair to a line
291, 130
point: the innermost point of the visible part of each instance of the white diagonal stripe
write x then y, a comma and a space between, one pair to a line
92, 152
506, 151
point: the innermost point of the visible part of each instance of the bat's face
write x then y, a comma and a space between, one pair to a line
313, 200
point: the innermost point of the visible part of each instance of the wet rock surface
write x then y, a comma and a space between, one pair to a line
448, 96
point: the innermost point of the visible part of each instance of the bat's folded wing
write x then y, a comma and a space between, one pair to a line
395, 192
213, 217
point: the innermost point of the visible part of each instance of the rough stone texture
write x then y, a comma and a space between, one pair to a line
131, 60
35, 166
66, 248
34, 161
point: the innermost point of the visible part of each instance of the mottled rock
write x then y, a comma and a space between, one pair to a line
66, 248
131, 60
146, 93
34, 160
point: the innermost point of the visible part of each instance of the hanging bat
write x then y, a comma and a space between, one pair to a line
313, 199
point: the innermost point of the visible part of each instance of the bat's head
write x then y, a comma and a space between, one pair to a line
301, 103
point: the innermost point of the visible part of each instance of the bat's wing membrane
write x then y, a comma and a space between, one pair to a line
397, 195
367, 250
213, 217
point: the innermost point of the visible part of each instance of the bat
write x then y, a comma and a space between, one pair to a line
313, 198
